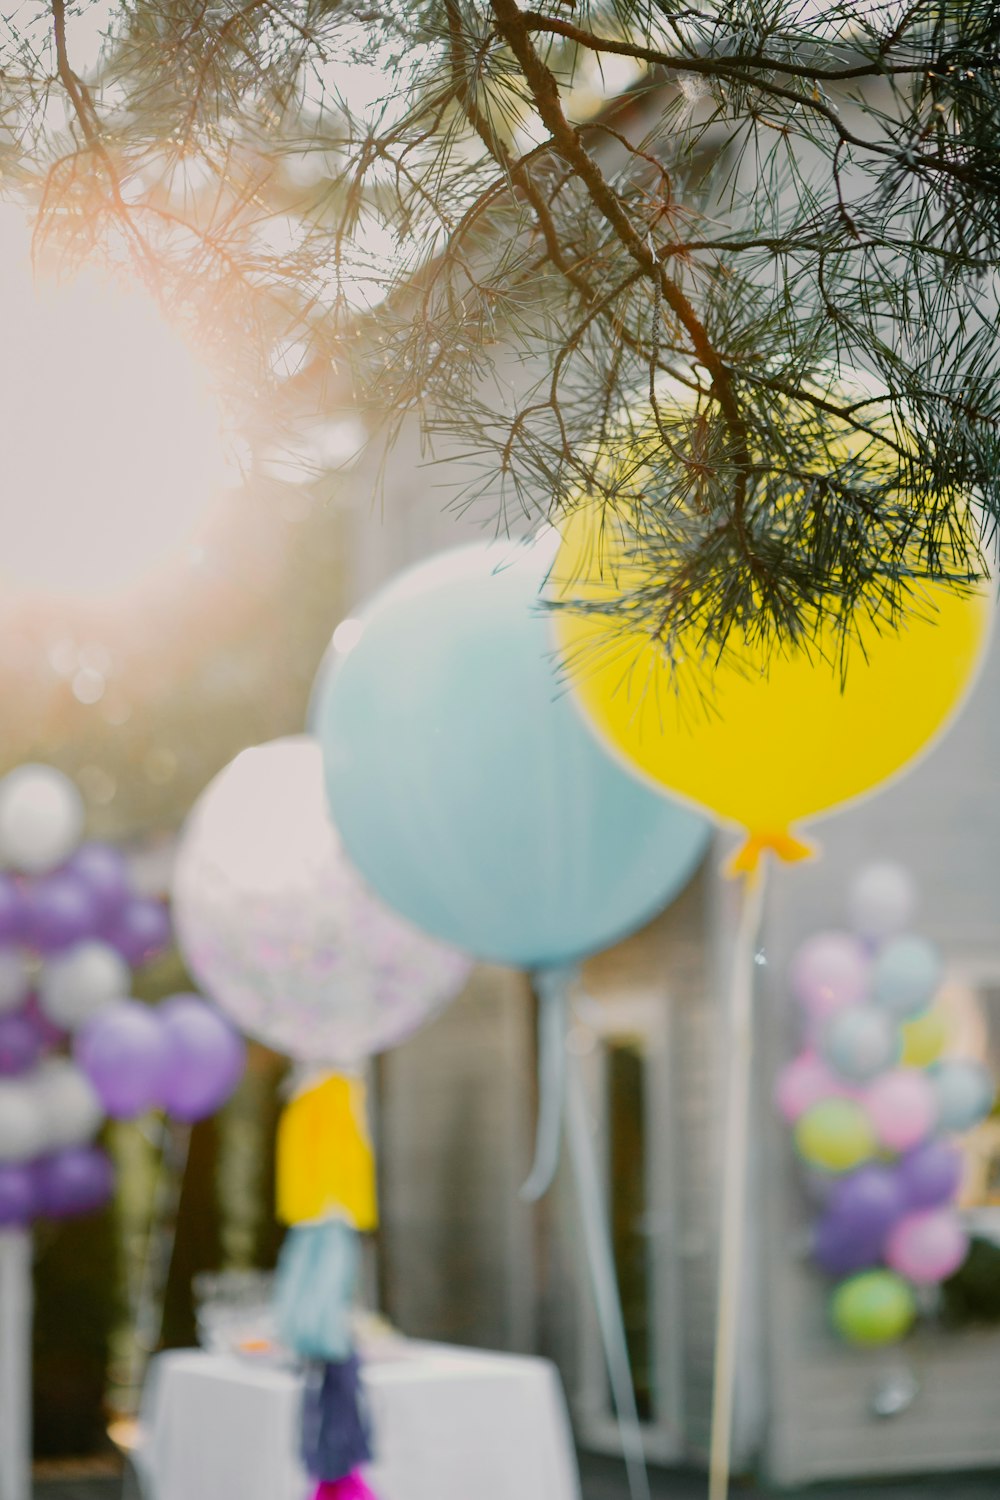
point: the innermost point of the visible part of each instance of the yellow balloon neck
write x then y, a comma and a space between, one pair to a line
783, 845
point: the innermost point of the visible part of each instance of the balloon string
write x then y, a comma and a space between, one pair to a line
734, 1183
604, 1281
552, 986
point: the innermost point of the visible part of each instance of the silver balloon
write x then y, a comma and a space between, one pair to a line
860, 1042
281, 931
15, 980
882, 901
71, 1112
22, 1133
906, 976
41, 818
965, 1093
74, 986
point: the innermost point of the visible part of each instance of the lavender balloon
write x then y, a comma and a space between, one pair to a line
930, 1175
123, 1053
17, 1194
21, 1043
868, 1202
104, 871
840, 1251
76, 1181
205, 1058
60, 912
140, 931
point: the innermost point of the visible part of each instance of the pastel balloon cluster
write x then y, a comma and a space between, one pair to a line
873, 1101
71, 929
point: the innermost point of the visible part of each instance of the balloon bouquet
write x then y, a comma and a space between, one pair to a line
71, 928
74, 1049
288, 939
763, 739
873, 1101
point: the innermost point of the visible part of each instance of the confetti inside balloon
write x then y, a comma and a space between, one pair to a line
281, 931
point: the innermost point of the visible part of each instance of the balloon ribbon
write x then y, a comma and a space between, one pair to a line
561, 1092
734, 1182
325, 1163
784, 845
604, 1279
552, 986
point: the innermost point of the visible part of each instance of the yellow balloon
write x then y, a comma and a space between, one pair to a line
765, 741
836, 1135
924, 1039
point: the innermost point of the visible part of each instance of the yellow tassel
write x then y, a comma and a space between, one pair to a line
783, 845
325, 1162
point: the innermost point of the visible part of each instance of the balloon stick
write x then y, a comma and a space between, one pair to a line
600, 1259
734, 1182
15, 1364
151, 1283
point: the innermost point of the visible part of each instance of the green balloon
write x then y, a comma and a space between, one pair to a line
835, 1134
877, 1307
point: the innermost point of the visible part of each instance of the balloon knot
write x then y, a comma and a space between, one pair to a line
783, 845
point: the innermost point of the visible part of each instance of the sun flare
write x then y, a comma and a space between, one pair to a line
111, 448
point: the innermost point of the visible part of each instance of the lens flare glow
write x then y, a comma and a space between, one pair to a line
110, 441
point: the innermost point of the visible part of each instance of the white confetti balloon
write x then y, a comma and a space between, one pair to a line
22, 1132
41, 818
281, 931
15, 980
76, 985
71, 1112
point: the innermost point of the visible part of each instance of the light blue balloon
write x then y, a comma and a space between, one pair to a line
464, 784
905, 976
965, 1093
860, 1042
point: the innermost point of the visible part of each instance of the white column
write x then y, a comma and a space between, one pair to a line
15, 1364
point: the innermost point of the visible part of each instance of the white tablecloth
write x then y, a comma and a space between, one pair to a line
448, 1424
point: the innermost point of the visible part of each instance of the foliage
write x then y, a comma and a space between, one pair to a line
463, 211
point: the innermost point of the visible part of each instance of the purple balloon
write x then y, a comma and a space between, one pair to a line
105, 872
11, 910
60, 912
140, 931
21, 1043
17, 1194
840, 1250
867, 1203
75, 1181
51, 1034
930, 1175
123, 1052
205, 1058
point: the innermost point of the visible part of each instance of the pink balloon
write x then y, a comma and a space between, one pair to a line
927, 1247
902, 1108
829, 971
803, 1082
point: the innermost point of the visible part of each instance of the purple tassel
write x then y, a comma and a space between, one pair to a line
334, 1427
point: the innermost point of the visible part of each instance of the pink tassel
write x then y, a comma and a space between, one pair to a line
351, 1487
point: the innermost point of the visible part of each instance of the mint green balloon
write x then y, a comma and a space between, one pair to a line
875, 1308
464, 784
